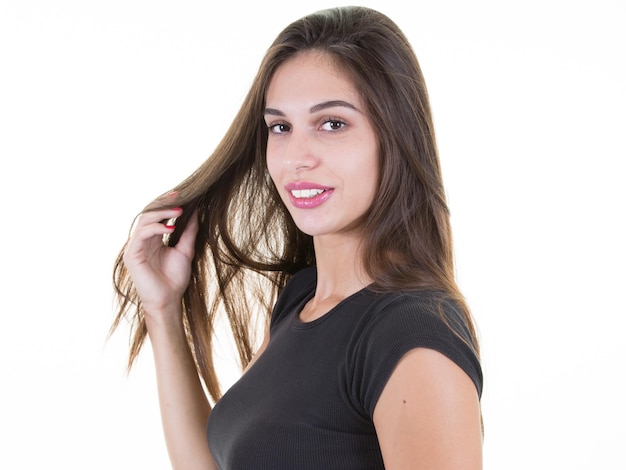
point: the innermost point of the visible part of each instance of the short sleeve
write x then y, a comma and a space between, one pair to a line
407, 322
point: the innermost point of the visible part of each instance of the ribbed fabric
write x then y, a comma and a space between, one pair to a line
307, 403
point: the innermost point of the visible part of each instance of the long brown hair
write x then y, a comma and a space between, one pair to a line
248, 247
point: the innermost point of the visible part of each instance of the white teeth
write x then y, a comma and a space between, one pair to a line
306, 193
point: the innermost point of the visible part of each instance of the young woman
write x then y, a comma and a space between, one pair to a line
324, 207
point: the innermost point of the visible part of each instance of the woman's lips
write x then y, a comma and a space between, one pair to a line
305, 195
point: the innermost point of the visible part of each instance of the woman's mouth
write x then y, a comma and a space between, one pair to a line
308, 195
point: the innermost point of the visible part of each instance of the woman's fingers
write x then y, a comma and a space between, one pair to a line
188, 237
157, 216
146, 242
160, 273
150, 224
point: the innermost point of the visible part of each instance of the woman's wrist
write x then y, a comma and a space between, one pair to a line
168, 317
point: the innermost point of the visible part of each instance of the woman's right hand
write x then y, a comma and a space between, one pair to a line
160, 273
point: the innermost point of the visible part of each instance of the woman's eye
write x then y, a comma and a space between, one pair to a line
279, 128
333, 125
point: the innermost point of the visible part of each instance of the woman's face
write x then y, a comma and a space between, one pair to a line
322, 151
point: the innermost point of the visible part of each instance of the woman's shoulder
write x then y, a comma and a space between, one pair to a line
428, 313
431, 303
425, 306
401, 321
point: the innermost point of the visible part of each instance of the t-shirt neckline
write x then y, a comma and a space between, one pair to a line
305, 325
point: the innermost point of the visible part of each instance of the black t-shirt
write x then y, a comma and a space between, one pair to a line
308, 402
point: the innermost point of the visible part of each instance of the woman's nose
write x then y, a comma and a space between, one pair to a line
300, 152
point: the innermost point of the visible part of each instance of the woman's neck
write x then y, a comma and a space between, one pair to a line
340, 273
340, 269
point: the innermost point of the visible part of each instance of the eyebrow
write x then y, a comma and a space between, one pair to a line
316, 108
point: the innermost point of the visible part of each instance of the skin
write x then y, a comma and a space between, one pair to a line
428, 414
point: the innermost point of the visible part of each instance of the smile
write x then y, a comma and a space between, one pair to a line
306, 193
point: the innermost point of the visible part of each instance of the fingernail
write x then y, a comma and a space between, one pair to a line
172, 193
170, 227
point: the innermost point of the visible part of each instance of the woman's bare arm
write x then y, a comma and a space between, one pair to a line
183, 403
428, 415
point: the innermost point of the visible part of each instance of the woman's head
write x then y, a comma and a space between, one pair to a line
409, 215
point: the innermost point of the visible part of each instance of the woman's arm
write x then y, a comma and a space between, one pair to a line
183, 403
428, 415
161, 275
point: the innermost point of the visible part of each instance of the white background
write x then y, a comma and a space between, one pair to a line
104, 105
